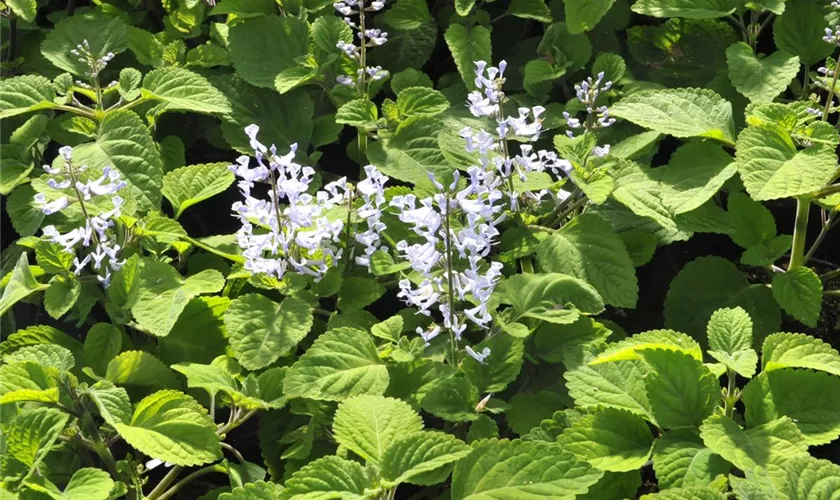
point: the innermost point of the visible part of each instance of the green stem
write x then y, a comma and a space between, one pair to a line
830, 275
730, 398
800, 230
832, 293
99, 446
71, 109
829, 223
830, 98
450, 280
200, 472
165, 482
827, 191
193, 241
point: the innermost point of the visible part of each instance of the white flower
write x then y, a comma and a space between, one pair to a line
480, 357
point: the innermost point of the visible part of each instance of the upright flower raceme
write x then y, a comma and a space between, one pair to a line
587, 92
94, 236
289, 228
450, 257
367, 37
828, 80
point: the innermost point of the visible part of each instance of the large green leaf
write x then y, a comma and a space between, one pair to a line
811, 399
283, 119
681, 390
530, 9
617, 385
45, 355
25, 9
467, 45
327, 477
367, 425
21, 285
262, 330
183, 90
588, 248
611, 440
583, 15
730, 340
173, 427
761, 80
261, 47
164, 293
28, 381
412, 153
88, 483
341, 363
799, 31
547, 297
358, 113
685, 112
799, 292
412, 455
24, 94
141, 369
686, 493
104, 34
500, 368
632, 347
421, 101
259, 490
452, 398
199, 334
112, 402
41, 334
517, 469
124, 142
770, 443
797, 350
33, 432
810, 478
62, 294
690, 9
695, 172
681, 459
705, 285
771, 166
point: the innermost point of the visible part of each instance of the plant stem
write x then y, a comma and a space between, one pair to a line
180, 484
12, 51
827, 191
193, 241
827, 225
830, 98
234, 451
800, 230
730, 398
832, 293
165, 482
450, 281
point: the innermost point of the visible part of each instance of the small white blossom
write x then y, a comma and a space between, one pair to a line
480, 357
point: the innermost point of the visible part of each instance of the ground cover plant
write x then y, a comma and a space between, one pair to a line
259, 249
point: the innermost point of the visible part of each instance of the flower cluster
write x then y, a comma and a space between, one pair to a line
290, 228
368, 37
587, 92
96, 65
828, 79
103, 256
433, 219
832, 33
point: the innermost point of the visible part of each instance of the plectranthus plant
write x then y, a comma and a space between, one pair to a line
356, 14
456, 230
94, 243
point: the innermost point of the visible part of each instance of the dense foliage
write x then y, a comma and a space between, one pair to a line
387, 249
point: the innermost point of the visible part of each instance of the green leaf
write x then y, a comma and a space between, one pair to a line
632, 347
411, 455
411, 14
707, 284
124, 142
358, 113
687, 493
173, 427
530, 9
390, 329
611, 440
89, 483
771, 443
21, 285
45, 355
213, 378
283, 119
410, 78
679, 112
25, 215
797, 350
292, 78
772, 168
198, 336
681, 459
103, 34
500, 368
341, 363
547, 297
357, 293
139, 368
33, 432
767, 253
112, 402
25, 94
681, 390
799, 31
421, 101
412, 153
517, 469
752, 223
807, 477
38, 335
259, 490
28, 381
61, 295
731, 342
261, 47
761, 80
467, 45
452, 399
695, 173
583, 15
528, 410
186, 186
367, 425
183, 90
617, 385
799, 292
164, 293
52, 258
262, 330
24, 9
588, 248
809, 398
327, 477
689, 9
